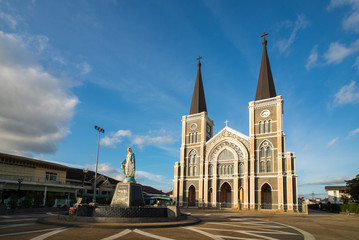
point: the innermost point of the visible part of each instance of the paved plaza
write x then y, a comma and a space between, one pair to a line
215, 224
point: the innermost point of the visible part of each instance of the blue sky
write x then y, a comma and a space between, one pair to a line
130, 67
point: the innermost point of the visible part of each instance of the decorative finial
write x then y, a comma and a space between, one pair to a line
226, 122
264, 37
199, 59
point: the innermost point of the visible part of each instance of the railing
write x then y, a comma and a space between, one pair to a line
300, 208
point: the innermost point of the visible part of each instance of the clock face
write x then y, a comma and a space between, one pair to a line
208, 129
265, 113
193, 126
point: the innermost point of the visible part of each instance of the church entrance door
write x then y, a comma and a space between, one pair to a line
192, 196
226, 195
266, 194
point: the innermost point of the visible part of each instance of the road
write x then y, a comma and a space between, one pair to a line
213, 226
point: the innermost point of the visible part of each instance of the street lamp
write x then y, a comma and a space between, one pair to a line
85, 171
19, 180
100, 130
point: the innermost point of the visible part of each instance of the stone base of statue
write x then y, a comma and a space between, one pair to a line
127, 194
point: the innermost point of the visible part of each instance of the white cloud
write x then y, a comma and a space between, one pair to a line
84, 68
35, 105
300, 23
139, 140
337, 52
347, 94
326, 181
312, 58
332, 142
115, 138
354, 132
143, 175
10, 20
351, 20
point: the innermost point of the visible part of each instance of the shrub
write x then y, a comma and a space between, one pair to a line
12, 203
26, 202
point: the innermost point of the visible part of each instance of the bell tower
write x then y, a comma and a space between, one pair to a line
267, 156
197, 129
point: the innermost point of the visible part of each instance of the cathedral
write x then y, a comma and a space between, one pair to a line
231, 169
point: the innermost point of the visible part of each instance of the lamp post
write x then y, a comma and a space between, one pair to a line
100, 130
19, 180
85, 171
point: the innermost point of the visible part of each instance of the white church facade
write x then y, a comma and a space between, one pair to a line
231, 169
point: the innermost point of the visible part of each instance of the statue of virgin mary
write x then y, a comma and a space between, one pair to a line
128, 166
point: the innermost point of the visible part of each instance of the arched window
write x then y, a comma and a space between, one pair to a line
262, 154
194, 171
269, 169
269, 152
262, 166
260, 126
189, 171
227, 170
194, 158
269, 126
264, 126
196, 137
226, 155
232, 170
192, 137
189, 138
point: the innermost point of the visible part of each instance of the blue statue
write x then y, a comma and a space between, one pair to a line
128, 166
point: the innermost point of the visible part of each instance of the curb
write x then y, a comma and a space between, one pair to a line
189, 221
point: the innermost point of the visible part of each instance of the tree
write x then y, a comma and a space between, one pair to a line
353, 188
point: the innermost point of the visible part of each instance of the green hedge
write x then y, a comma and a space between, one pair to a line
353, 208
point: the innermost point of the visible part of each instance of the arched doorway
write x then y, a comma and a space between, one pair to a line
266, 195
192, 196
226, 194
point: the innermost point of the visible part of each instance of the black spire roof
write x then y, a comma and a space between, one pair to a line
265, 86
198, 100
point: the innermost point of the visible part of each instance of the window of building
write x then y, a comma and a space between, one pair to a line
262, 154
226, 155
269, 126
269, 169
260, 126
269, 151
194, 171
264, 126
50, 176
210, 170
262, 166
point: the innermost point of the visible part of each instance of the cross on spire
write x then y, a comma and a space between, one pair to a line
226, 122
199, 59
264, 36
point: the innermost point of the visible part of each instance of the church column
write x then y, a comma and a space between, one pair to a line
235, 184
251, 187
205, 191
214, 185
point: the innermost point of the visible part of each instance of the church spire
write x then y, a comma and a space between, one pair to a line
198, 100
265, 86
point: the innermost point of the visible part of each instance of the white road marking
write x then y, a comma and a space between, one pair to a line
19, 220
27, 232
49, 234
248, 225
118, 235
307, 235
16, 225
151, 235
50, 213
204, 233
5, 216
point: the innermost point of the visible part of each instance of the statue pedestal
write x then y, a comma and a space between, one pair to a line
127, 195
